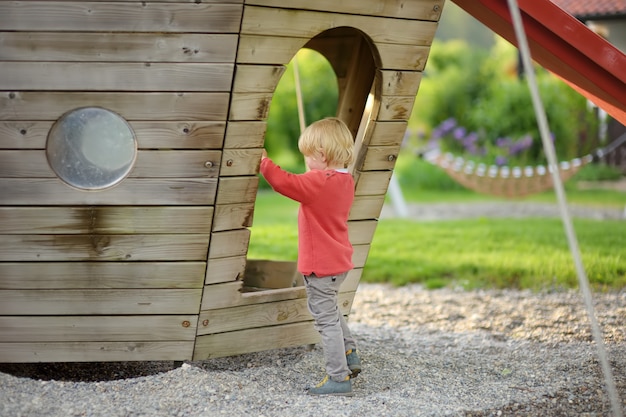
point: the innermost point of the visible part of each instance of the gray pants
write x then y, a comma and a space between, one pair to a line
329, 322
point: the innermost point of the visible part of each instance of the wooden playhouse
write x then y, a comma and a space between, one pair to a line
130, 140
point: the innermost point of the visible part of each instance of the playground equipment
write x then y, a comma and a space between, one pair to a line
130, 139
511, 182
140, 254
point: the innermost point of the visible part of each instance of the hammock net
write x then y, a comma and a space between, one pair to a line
511, 182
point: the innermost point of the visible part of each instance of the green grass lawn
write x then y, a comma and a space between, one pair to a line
528, 253
496, 253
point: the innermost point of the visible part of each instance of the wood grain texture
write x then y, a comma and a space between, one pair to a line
403, 57
38, 106
267, 49
97, 328
247, 134
360, 255
308, 24
220, 270
233, 216
149, 164
380, 158
99, 302
155, 134
117, 47
97, 76
100, 275
257, 78
120, 16
395, 108
250, 106
400, 83
105, 220
387, 133
238, 162
262, 315
131, 191
136, 247
96, 351
255, 340
367, 207
362, 231
415, 9
229, 243
372, 182
234, 190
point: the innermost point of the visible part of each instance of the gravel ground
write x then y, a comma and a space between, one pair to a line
425, 353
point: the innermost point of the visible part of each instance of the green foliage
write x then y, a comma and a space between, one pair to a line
417, 175
451, 85
598, 172
456, 23
482, 94
319, 95
274, 233
507, 111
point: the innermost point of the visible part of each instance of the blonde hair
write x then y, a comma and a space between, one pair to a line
331, 136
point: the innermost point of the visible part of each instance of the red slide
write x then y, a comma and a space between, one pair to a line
563, 45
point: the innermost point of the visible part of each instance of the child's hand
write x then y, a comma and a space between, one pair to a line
264, 155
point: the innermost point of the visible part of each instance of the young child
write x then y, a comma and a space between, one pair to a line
325, 193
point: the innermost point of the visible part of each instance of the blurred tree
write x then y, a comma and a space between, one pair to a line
319, 95
480, 90
456, 23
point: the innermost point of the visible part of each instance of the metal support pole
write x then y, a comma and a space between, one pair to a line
548, 147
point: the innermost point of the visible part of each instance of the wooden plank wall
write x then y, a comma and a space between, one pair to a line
151, 269
114, 274
271, 34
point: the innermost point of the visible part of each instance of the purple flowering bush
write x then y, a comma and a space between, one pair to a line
449, 136
476, 106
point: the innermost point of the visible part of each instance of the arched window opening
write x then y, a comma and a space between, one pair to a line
308, 91
336, 75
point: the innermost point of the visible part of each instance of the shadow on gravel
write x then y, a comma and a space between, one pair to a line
112, 371
87, 371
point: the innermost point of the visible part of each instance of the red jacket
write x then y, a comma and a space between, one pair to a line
325, 199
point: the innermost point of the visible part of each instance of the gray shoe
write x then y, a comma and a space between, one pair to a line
354, 363
330, 387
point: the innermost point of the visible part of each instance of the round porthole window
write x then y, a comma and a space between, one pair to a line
91, 148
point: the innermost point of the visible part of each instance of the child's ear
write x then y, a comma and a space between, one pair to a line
322, 155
